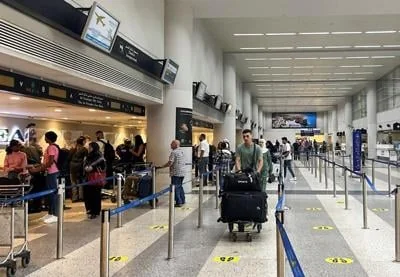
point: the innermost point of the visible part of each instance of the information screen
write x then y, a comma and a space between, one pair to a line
101, 28
170, 71
294, 120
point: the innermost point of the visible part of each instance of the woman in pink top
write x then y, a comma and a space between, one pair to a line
15, 161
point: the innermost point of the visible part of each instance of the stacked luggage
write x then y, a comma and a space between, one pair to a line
243, 203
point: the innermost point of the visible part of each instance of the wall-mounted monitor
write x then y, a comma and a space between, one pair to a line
226, 108
218, 102
201, 91
170, 71
294, 120
101, 28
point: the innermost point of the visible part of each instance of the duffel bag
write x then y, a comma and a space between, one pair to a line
242, 181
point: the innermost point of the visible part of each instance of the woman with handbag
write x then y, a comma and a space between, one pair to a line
266, 171
95, 168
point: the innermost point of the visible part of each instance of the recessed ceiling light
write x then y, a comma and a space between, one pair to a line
281, 48
92, 110
263, 85
362, 73
331, 58
133, 117
380, 32
321, 73
107, 117
305, 66
265, 80
309, 47
311, 58
343, 73
65, 118
314, 33
391, 46
301, 74
346, 33
258, 67
356, 79
383, 57
255, 59
325, 66
316, 79
280, 74
139, 122
15, 98
344, 88
367, 46
260, 74
338, 47
250, 35
280, 67
266, 89
350, 66
280, 59
252, 48
58, 110
336, 79
356, 58
280, 34
372, 65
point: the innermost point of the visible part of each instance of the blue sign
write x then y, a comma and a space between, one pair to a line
357, 150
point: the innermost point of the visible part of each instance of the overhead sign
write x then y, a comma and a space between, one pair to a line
357, 141
203, 124
28, 86
170, 71
7, 135
294, 120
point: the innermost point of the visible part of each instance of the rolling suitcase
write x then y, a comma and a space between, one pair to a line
145, 186
248, 206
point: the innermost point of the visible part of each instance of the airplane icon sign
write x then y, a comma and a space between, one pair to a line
99, 19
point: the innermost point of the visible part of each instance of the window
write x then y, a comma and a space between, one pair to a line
359, 105
388, 91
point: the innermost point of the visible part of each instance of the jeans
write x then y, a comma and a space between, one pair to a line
287, 164
77, 192
179, 192
203, 163
51, 183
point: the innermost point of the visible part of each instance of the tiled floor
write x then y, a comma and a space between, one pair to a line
143, 247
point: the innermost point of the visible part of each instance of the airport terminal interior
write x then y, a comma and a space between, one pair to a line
200, 138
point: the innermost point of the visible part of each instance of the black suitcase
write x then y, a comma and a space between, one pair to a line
244, 206
243, 181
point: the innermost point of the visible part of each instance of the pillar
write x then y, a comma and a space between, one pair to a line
228, 128
268, 126
178, 32
255, 118
334, 127
261, 122
326, 127
247, 108
348, 121
372, 119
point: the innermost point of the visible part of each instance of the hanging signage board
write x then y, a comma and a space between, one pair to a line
357, 151
28, 86
184, 126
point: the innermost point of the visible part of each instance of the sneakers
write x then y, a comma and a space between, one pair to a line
293, 179
51, 219
47, 216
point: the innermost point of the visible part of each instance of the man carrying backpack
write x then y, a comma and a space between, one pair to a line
108, 153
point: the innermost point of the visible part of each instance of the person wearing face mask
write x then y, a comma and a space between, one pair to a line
266, 171
15, 161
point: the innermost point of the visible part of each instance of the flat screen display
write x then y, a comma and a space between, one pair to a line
170, 71
218, 102
201, 91
101, 28
294, 120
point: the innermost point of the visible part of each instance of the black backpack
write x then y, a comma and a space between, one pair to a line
62, 161
109, 152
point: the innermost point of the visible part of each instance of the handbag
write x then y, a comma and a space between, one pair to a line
97, 178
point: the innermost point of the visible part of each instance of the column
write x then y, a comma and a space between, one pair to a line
326, 127
268, 126
228, 128
247, 108
372, 119
261, 122
178, 24
348, 120
334, 127
255, 118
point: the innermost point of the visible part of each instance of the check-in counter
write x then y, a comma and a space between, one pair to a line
386, 152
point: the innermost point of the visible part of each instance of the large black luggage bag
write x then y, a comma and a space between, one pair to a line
242, 181
244, 206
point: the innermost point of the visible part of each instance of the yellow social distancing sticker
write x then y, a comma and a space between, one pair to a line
340, 202
159, 227
226, 259
118, 259
339, 260
314, 209
323, 228
380, 210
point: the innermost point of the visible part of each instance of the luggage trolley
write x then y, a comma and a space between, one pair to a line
14, 220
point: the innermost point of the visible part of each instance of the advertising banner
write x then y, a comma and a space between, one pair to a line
357, 141
294, 120
184, 126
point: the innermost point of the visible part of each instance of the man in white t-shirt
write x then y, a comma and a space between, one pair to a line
203, 155
287, 158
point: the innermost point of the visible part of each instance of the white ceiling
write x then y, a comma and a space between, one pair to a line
19, 106
316, 64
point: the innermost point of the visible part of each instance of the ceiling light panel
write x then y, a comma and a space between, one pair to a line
381, 32
280, 34
392, 46
314, 33
346, 33
281, 48
248, 35
367, 46
383, 57
252, 48
309, 47
357, 58
280, 59
258, 67
350, 66
337, 47
331, 58
255, 59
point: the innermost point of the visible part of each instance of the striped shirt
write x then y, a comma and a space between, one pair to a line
177, 160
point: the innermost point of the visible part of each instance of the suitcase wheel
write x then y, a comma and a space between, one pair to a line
259, 227
233, 237
249, 237
230, 226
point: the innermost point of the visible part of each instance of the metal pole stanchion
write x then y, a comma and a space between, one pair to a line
154, 201
320, 169
397, 222
119, 199
389, 180
343, 164
334, 179
200, 217
171, 222
315, 166
312, 164
60, 219
217, 184
346, 191
365, 207
373, 171
280, 251
105, 244
326, 174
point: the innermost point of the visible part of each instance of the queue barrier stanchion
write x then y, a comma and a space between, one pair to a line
312, 164
346, 191
154, 202
217, 185
320, 168
397, 222
171, 223
364, 201
389, 180
200, 208
343, 163
105, 244
280, 251
326, 173
334, 179
373, 171
119, 199
315, 166
60, 217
